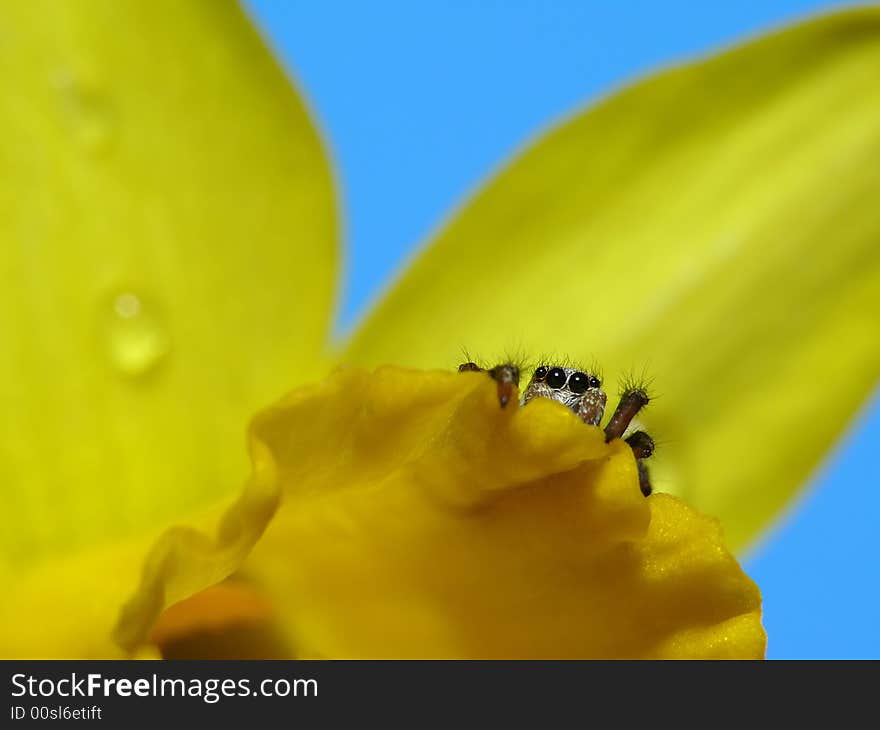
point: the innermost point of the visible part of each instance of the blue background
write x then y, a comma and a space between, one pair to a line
420, 102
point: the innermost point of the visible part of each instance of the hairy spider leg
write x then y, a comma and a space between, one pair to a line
506, 376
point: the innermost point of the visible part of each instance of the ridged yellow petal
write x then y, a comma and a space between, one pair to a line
168, 254
715, 226
418, 519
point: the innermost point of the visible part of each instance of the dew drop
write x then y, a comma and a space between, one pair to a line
136, 338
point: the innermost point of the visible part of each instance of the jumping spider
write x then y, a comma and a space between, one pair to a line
582, 393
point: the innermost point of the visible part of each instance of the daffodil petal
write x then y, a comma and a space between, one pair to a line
714, 226
65, 607
169, 257
417, 518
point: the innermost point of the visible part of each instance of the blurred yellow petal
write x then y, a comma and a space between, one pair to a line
168, 255
716, 226
419, 519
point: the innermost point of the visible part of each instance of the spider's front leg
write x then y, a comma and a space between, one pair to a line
505, 375
632, 400
642, 446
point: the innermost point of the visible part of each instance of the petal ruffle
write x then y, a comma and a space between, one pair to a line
418, 519
715, 225
169, 255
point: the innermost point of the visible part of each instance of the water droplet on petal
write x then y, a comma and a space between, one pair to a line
135, 338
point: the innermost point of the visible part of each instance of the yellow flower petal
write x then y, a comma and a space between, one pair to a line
168, 254
715, 225
419, 519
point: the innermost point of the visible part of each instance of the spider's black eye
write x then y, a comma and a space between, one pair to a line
540, 374
556, 378
578, 382
595, 382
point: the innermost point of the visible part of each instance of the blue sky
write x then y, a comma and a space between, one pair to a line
420, 102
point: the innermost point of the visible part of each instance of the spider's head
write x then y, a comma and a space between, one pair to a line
569, 386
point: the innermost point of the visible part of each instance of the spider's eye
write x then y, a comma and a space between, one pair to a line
540, 373
578, 382
595, 382
556, 378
